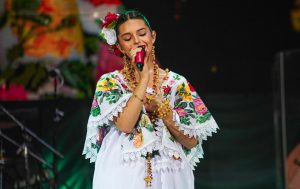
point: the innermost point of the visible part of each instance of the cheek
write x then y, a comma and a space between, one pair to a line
124, 46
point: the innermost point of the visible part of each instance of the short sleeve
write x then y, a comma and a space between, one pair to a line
192, 117
109, 100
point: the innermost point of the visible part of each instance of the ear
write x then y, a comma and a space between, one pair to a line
153, 36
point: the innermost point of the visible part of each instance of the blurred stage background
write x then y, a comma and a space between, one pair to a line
242, 56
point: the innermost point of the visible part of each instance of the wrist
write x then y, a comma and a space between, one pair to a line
144, 79
169, 117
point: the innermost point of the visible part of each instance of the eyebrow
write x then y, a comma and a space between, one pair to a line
129, 33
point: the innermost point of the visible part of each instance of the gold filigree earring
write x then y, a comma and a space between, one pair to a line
153, 53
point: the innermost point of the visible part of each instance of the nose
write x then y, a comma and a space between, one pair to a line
136, 39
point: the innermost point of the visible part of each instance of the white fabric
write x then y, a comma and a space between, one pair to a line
120, 162
111, 173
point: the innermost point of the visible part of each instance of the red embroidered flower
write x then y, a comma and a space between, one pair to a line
124, 86
166, 89
109, 18
191, 87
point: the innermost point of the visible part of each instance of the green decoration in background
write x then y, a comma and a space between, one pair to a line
79, 76
30, 75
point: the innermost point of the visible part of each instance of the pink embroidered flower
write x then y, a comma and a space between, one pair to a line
166, 89
199, 106
138, 139
181, 112
172, 81
94, 104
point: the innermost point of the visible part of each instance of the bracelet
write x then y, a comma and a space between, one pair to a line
164, 109
138, 98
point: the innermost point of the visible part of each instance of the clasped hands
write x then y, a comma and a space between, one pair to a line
158, 106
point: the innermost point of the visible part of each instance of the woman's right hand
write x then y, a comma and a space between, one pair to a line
144, 74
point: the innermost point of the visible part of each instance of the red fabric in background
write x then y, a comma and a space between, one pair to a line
13, 92
107, 61
108, 2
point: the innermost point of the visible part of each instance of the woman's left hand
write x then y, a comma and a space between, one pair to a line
153, 102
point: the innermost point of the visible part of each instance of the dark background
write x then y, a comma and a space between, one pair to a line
240, 38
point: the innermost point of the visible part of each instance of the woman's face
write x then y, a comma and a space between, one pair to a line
134, 33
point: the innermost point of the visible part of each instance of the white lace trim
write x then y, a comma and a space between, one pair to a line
130, 157
197, 155
90, 153
109, 115
202, 131
95, 122
165, 161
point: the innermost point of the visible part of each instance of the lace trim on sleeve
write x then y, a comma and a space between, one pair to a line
202, 131
94, 123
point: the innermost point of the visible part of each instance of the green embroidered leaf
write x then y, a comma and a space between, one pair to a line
96, 111
95, 146
185, 120
189, 111
191, 105
172, 138
113, 97
130, 136
177, 102
149, 127
183, 105
186, 150
176, 77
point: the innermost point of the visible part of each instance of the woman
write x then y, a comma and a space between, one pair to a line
146, 127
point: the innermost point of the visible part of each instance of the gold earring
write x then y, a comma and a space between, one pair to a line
153, 53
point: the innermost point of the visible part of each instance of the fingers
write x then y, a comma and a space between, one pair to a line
133, 52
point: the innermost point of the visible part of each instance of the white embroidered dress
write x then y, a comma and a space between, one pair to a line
120, 158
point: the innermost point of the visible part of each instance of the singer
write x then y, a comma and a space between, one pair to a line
146, 127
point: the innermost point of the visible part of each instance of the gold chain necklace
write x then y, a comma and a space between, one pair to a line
130, 77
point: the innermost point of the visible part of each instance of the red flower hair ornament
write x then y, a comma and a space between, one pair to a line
108, 31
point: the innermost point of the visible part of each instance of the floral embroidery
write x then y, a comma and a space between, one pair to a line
181, 112
184, 92
185, 120
95, 110
166, 89
106, 84
203, 118
176, 77
145, 122
190, 112
200, 108
138, 139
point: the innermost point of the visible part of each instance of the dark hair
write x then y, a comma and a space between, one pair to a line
132, 14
